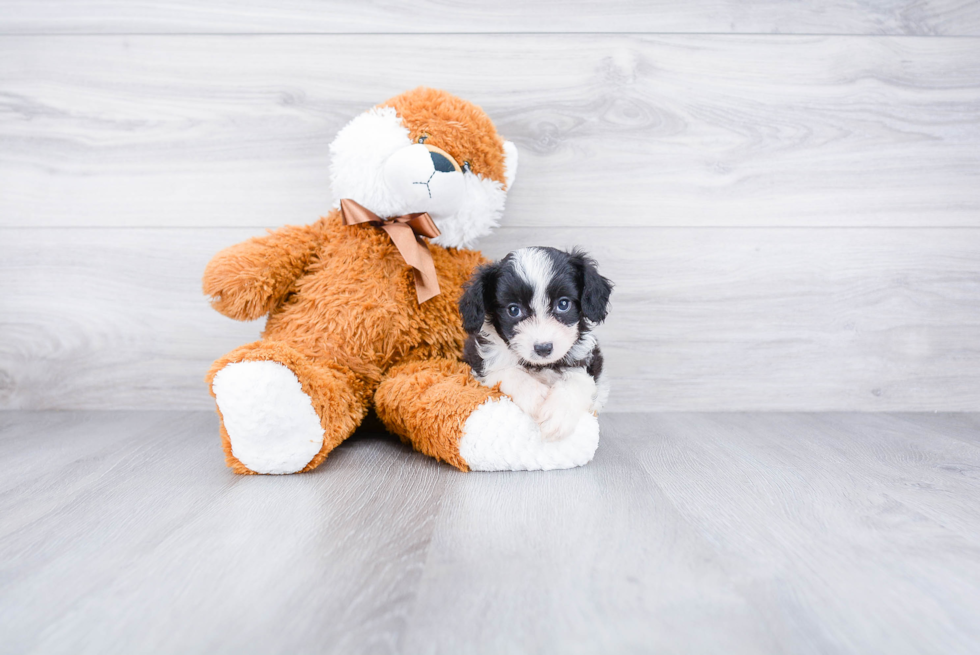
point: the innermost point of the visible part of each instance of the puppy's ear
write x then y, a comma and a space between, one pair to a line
595, 288
476, 296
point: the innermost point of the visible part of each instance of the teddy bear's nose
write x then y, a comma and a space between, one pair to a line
442, 163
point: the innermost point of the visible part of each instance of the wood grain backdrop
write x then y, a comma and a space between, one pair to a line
789, 201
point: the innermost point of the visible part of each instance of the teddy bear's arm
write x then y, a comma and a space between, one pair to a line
247, 280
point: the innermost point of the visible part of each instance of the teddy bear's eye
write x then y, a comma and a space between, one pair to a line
423, 138
466, 167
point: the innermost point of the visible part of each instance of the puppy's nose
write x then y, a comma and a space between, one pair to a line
543, 349
442, 163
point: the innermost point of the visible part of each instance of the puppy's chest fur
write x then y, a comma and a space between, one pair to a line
576, 381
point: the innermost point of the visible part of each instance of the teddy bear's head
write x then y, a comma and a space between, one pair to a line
426, 151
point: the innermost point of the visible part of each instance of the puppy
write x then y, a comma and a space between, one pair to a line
529, 318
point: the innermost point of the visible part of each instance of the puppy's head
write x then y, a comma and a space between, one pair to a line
426, 151
541, 302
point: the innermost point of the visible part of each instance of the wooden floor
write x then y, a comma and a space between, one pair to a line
695, 533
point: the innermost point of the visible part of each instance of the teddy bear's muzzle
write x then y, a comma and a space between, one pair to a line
425, 179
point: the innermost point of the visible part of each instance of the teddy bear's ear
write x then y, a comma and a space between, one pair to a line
510, 163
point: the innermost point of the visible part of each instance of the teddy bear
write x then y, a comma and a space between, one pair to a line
361, 305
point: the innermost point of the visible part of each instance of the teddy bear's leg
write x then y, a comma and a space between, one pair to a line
439, 408
282, 412
426, 403
499, 436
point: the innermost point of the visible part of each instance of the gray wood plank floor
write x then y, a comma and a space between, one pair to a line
695, 533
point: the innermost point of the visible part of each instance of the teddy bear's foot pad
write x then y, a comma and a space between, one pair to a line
499, 436
270, 420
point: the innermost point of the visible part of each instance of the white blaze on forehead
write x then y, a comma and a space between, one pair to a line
534, 267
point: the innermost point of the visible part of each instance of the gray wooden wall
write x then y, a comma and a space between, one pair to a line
786, 193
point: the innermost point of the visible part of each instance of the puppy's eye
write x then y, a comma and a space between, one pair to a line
423, 137
513, 311
563, 304
466, 167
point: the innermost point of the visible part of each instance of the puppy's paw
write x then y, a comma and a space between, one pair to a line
559, 415
528, 394
556, 428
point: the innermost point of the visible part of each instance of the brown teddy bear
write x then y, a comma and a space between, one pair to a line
362, 310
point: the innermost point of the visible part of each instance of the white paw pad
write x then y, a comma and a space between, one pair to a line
270, 420
498, 436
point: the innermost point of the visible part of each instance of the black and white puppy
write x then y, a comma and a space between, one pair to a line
530, 318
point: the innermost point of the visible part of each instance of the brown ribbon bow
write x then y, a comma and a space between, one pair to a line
405, 232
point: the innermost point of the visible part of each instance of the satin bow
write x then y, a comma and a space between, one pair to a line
405, 232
